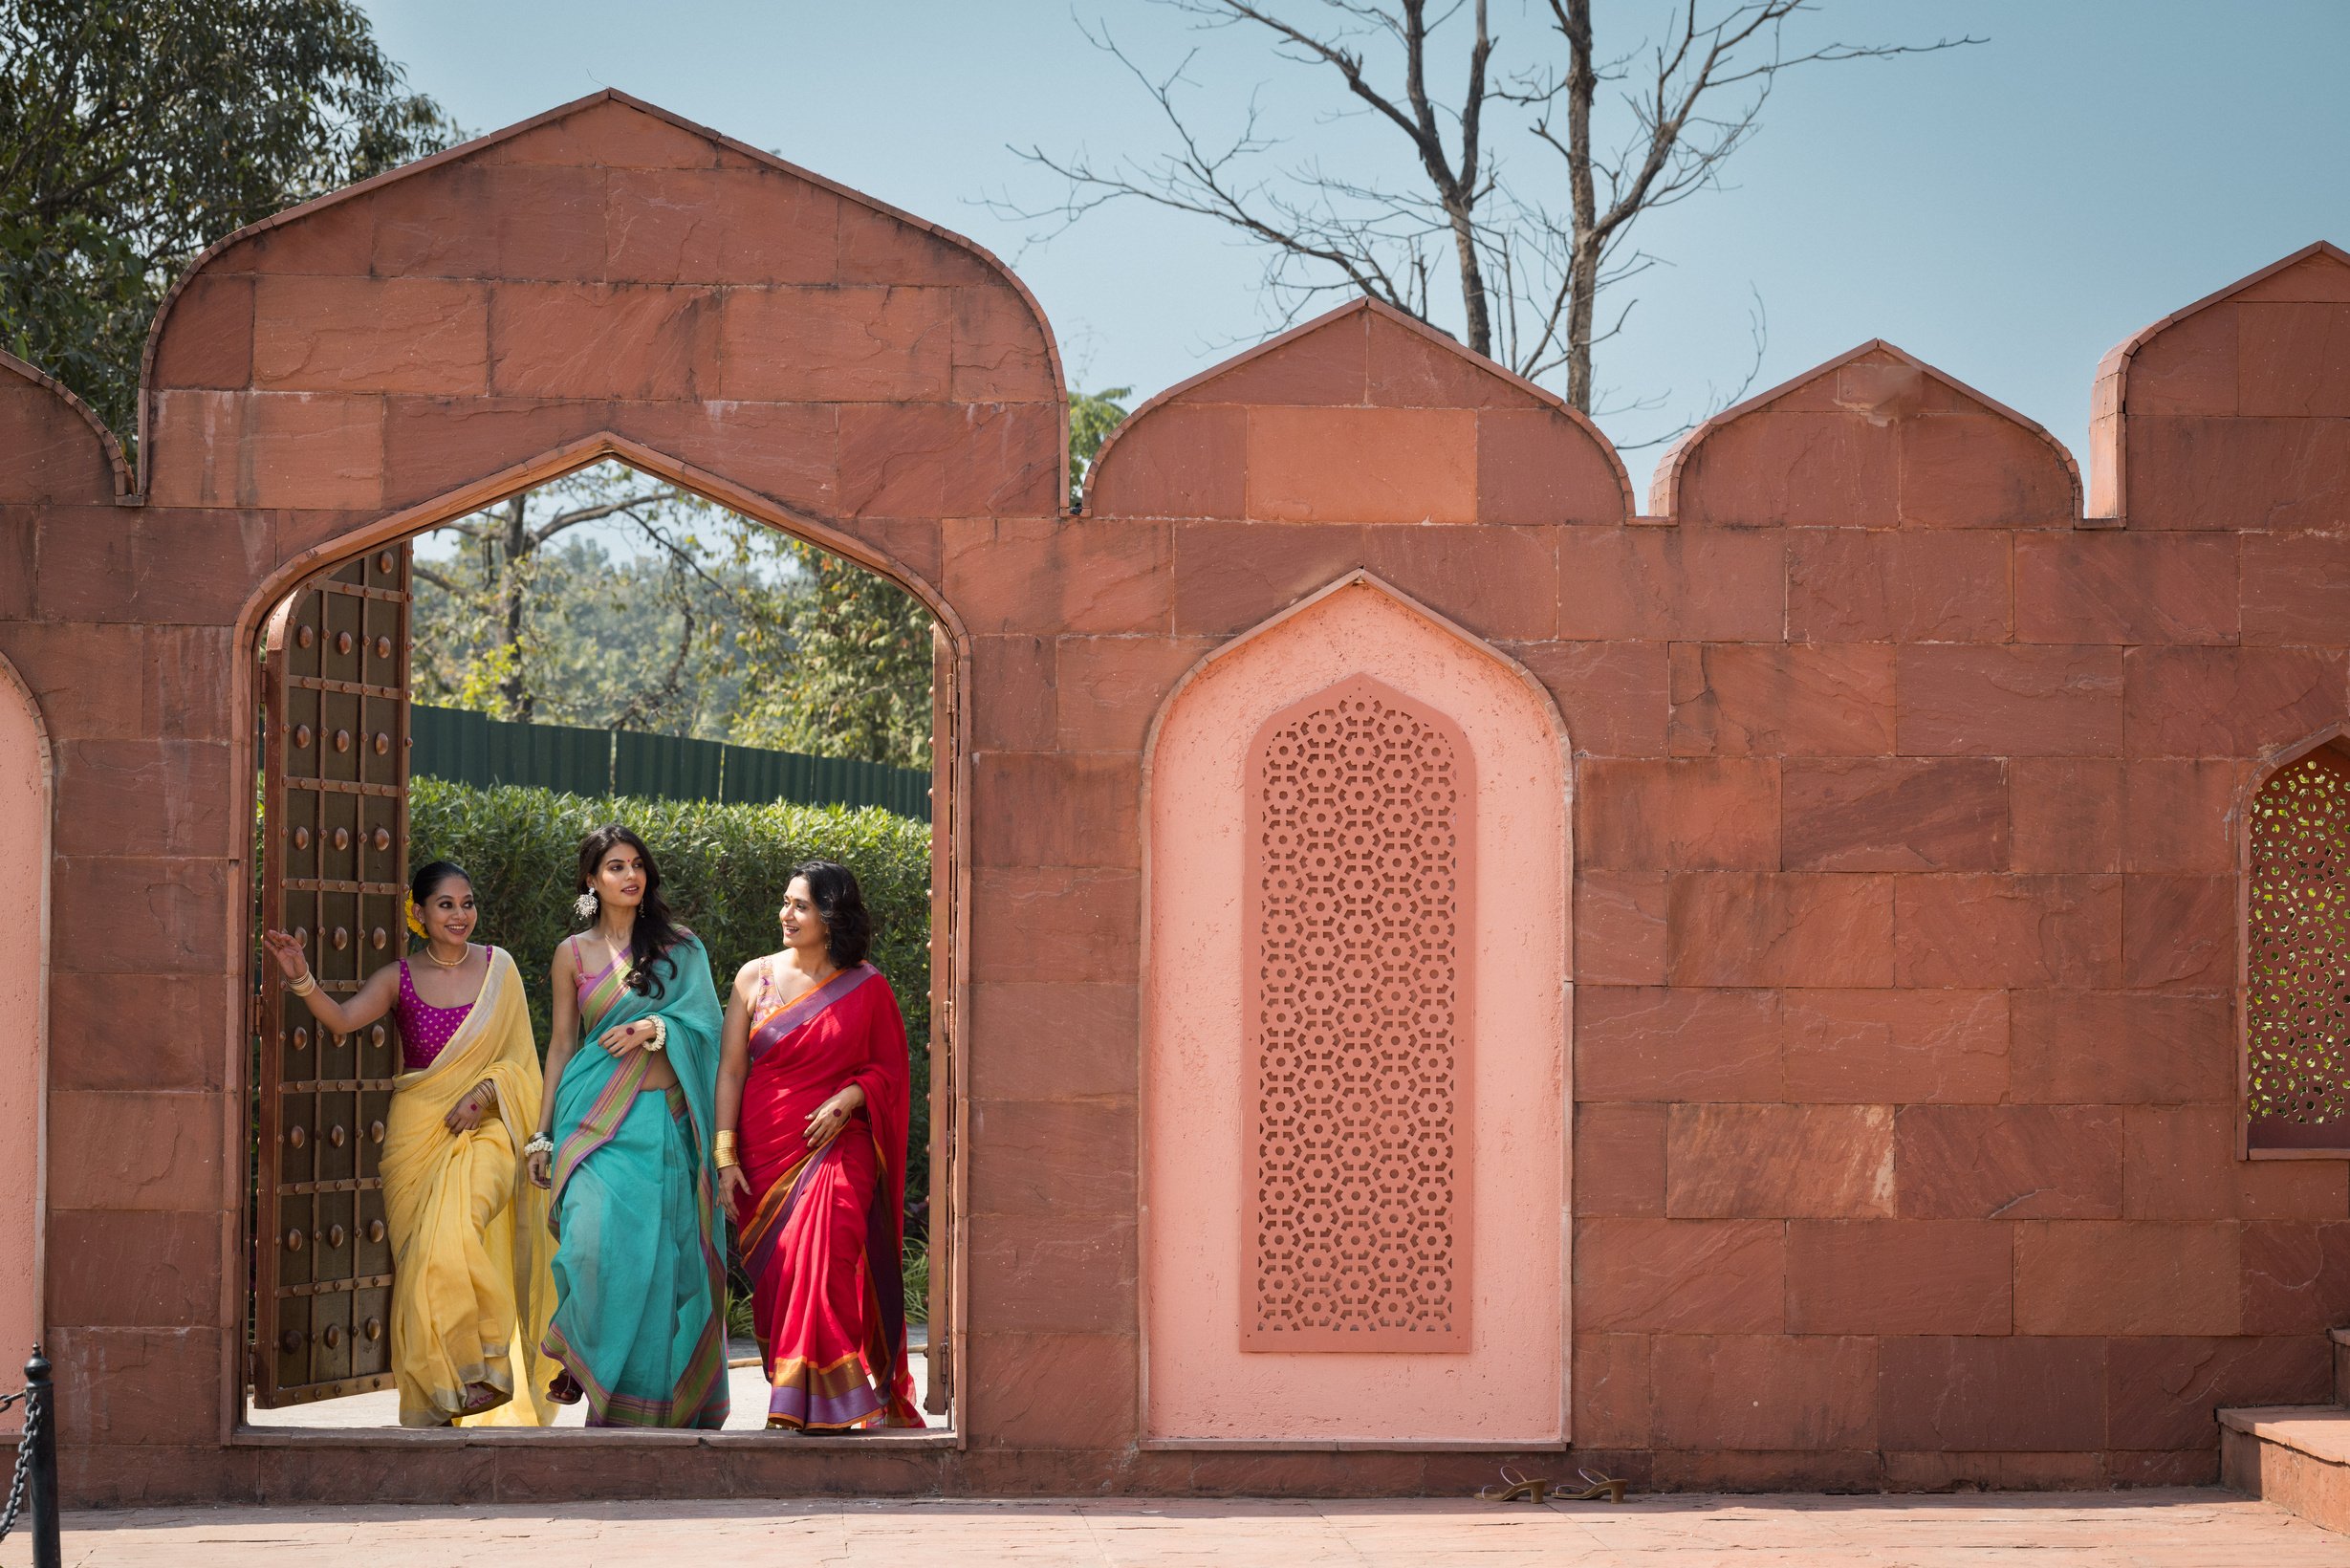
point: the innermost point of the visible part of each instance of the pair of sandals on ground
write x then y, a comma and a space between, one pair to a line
1536, 1489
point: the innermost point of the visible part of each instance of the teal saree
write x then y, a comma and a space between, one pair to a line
639, 1266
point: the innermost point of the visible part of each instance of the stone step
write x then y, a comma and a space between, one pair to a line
2296, 1456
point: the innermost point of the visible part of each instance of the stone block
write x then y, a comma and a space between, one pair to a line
1069, 923
1055, 577
2190, 367
1619, 1160
1619, 928
147, 916
2179, 932
1896, 814
1679, 1277
835, 344
2013, 701
2122, 1048
1800, 1469
1900, 1276
2294, 359
479, 218
1013, 692
1992, 1394
1668, 584
2297, 1277
630, 341
1800, 469
1979, 929
1854, 585
1029, 1157
2179, 1163
660, 228
164, 1154
1798, 1161
1741, 699
1327, 366
2008, 1162
1110, 688
139, 1386
1610, 1391
1499, 583
794, 453
1710, 813
2092, 1277
1093, 1036
2295, 588
1178, 460
1411, 369
1983, 470
1538, 466
1002, 351
1065, 1269
1362, 465
208, 338
2229, 701
2114, 586
1790, 1392
1751, 928
2284, 475
881, 247
1230, 576
1612, 694
295, 450
1947, 1471
124, 1268
1018, 1386
1895, 1047
1094, 819
1658, 1043
369, 334
102, 1034
85, 677
2162, 1393
171, 797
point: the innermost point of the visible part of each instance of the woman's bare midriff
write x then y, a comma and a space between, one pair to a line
657, 1073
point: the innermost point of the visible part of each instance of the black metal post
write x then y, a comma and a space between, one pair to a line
41, 1412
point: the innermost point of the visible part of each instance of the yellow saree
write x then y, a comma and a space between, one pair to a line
470, 1287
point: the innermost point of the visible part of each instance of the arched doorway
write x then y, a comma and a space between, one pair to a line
24, 1012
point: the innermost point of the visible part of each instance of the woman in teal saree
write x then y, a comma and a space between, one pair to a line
624, 1140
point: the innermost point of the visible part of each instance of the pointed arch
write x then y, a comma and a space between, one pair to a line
1208, 1378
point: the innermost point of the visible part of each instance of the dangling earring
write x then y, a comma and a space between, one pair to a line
585, 905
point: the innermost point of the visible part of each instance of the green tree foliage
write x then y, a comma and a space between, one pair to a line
1092, 417
853, 651
724, 869
134, 133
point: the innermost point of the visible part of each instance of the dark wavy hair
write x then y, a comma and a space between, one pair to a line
431, 875
848, 925
656, 932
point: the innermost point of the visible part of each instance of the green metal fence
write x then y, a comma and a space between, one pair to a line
474, 749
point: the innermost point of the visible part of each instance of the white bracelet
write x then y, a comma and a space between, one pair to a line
540, 1143
661, 1034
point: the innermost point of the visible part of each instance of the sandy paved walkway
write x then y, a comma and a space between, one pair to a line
2176, 1529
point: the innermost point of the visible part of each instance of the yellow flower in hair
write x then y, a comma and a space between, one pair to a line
408, 908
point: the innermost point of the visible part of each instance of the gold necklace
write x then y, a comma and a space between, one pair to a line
446, 962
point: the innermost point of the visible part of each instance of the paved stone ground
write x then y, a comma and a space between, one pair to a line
2172, 1529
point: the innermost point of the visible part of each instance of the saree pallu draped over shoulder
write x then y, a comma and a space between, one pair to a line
471, 1285
822, 1232
641, 1270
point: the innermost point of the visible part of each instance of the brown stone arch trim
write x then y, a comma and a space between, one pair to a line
1401, 318
2109, 428
467, 149
245, 761
1548, 705
123, 495
2251, 780
1665, 488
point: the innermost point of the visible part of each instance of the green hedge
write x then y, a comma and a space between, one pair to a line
722, 868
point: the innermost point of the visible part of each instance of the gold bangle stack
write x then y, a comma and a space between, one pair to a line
305, 985
722, 1151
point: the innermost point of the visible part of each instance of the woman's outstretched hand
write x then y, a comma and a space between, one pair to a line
622, 1038
292, 961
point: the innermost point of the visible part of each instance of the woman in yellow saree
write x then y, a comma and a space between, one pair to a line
470, 1287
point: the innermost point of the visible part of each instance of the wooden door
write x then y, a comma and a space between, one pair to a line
946, 750
333, 859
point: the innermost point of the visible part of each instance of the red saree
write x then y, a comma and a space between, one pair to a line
823, 1234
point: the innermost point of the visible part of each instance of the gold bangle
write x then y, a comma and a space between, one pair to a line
722, 1151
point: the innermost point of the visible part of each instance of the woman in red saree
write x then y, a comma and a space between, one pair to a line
813, 1091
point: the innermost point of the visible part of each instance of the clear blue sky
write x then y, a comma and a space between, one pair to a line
2007, 212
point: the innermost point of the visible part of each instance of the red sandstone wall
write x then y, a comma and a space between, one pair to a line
1907, 808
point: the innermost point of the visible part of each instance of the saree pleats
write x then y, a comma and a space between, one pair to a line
471, 1285
822, 1232
640, 1273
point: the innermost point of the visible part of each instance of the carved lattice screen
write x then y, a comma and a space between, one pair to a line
1359, 919
2298, 961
